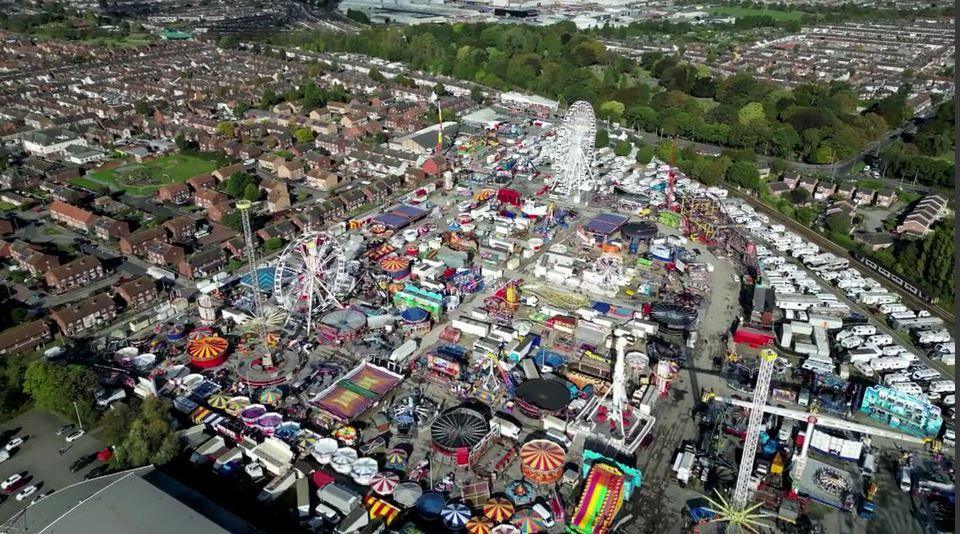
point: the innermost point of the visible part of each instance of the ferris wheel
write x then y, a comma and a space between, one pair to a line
573, 156
311, 276
608, 271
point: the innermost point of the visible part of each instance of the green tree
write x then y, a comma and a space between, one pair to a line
750, 113
251, 192
358, 16
476, 94
60, 387
228, 41
645, 154
603, 138
376, 75
236, 185
612, 110
233, 220
272, 244
227, 129
141, 107
799, 196
838, 223
150, 438
303, 135
622, 147
805, 216
744, 174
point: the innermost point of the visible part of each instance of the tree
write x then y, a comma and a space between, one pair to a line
805, 216
227, 129
232, 220
799, 196
228, 41
476, 94
612, 110
251, 192
622, 148
358, 16
439, 89
141, 107
272, 244
838, 223
150, 437
236, 185
744, 174
750, 113
603, 138
376, 75
61, 388
645, 154
303, 135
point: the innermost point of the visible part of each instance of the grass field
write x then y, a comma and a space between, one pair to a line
6, 206
143, 179
752, 12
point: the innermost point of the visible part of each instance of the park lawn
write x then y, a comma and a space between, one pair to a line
87, 183
775, 14
6, 206
162, 171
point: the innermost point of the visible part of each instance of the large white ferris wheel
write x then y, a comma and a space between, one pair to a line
573, 157
311, 276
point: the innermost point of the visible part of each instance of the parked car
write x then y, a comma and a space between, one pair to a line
10, 481
65, 429
97, 471
75, 435
26, 492
13, 444
41, 497
82, 462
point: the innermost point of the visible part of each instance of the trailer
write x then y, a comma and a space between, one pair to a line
889, 363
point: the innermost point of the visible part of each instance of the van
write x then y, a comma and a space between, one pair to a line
804, 398
544, 514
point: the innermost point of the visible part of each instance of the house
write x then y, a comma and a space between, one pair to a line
278, 200
289, 170
107, 204
178, 193
322, 180
269, 162
72, 216
25, 337
223, 173
779, 188
50, 141
81, 154
921, 218
180, 228
235, 248
201, 181
106, 228
138, 292
845, 190
808, 183
435, 166
284, 230
77, 273
202, 264
876, 241
824, 190
85, 316
205, 198
376, 192
884, 198
352, 199
792, 179
843, 207
162, 254
31, 258
217, 212
864, 196
137, 242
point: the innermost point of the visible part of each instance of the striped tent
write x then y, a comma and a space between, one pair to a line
380, 508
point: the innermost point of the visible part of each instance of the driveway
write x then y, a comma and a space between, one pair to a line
39, 456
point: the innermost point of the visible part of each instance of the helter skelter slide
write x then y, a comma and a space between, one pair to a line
600, 501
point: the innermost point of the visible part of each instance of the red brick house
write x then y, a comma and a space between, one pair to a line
72, 216
87, 315
138, 292
25, 337
180, 228
174, 193
162, 254
136, 243
205, 198
77, 273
